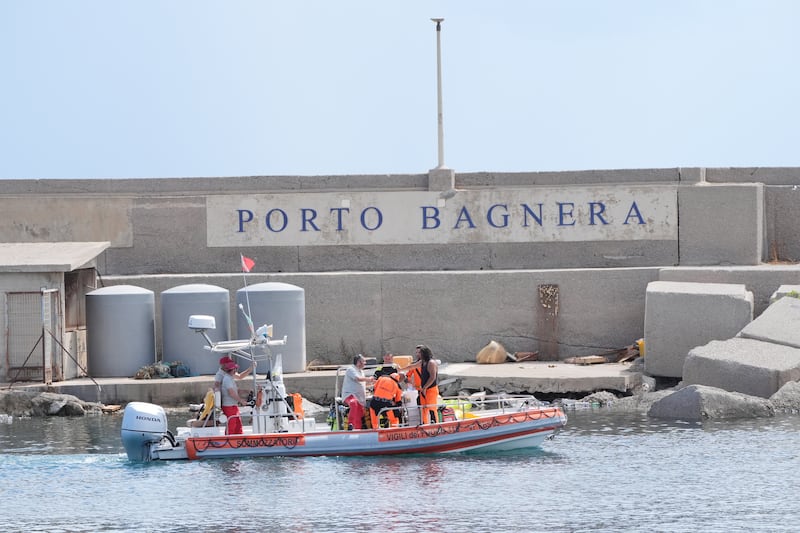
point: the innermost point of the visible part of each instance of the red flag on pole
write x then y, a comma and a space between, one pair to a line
247, 264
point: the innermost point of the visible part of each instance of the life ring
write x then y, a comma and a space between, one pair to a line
208, 405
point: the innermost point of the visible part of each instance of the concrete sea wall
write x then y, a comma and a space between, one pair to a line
161, 226
369, 287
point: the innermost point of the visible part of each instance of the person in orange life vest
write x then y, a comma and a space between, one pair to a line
429, 390
231, 399
414, 375
354, 391
388, 392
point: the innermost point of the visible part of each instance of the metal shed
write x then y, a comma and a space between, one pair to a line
42, 308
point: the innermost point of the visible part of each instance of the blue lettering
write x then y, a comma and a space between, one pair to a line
463, 216
339, 211
364, 218
497, 216
596, 209
528, 211
638, 215
430, 213
242, 219
564, 214
503, 217
308, 216
280, 214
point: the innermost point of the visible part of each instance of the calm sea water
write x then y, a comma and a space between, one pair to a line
604, 472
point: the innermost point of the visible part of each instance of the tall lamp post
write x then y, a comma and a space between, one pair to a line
440, 178
439, 117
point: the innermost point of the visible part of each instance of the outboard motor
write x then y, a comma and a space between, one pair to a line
143, 424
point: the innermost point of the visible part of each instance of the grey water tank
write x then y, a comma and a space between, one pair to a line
284, 306
178, 342
120, 330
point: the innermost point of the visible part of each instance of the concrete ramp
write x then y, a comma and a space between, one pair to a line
682, 315
748, 366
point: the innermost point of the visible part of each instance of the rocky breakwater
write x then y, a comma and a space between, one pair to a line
695, 403
756, 373
21, 403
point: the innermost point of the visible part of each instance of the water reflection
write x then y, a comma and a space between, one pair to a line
432, 473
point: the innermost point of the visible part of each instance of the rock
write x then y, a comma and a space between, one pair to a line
698, 402
54, 407
787, 398
648, 385
602, 397
33, 403
492, 354
638, 402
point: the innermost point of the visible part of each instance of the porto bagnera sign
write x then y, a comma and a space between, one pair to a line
502, 215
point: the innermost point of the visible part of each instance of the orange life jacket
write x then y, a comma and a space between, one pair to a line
386, 388
414, 376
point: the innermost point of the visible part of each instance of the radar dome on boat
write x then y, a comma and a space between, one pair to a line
202, 322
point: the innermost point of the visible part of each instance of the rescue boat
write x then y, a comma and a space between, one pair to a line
274, 423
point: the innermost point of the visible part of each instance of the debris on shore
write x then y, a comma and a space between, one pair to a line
621, 355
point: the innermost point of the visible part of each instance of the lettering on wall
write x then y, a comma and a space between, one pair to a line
592, 213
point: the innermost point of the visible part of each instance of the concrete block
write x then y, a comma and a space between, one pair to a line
782, 203
766, 175
722, 224
761, 280
779, 324
441, 179
470, 180
680, 316
743, 365
692, 174
542, 377
784, 290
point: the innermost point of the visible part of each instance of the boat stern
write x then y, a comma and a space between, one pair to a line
143, 425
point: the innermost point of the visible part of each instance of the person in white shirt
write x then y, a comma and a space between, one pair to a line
221, 373
354, 392
231, 399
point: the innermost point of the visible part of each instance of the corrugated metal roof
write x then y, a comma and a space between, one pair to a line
48, 256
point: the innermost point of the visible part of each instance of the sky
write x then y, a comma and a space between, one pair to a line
141, 89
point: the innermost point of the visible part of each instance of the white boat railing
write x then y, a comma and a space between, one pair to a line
453, 408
